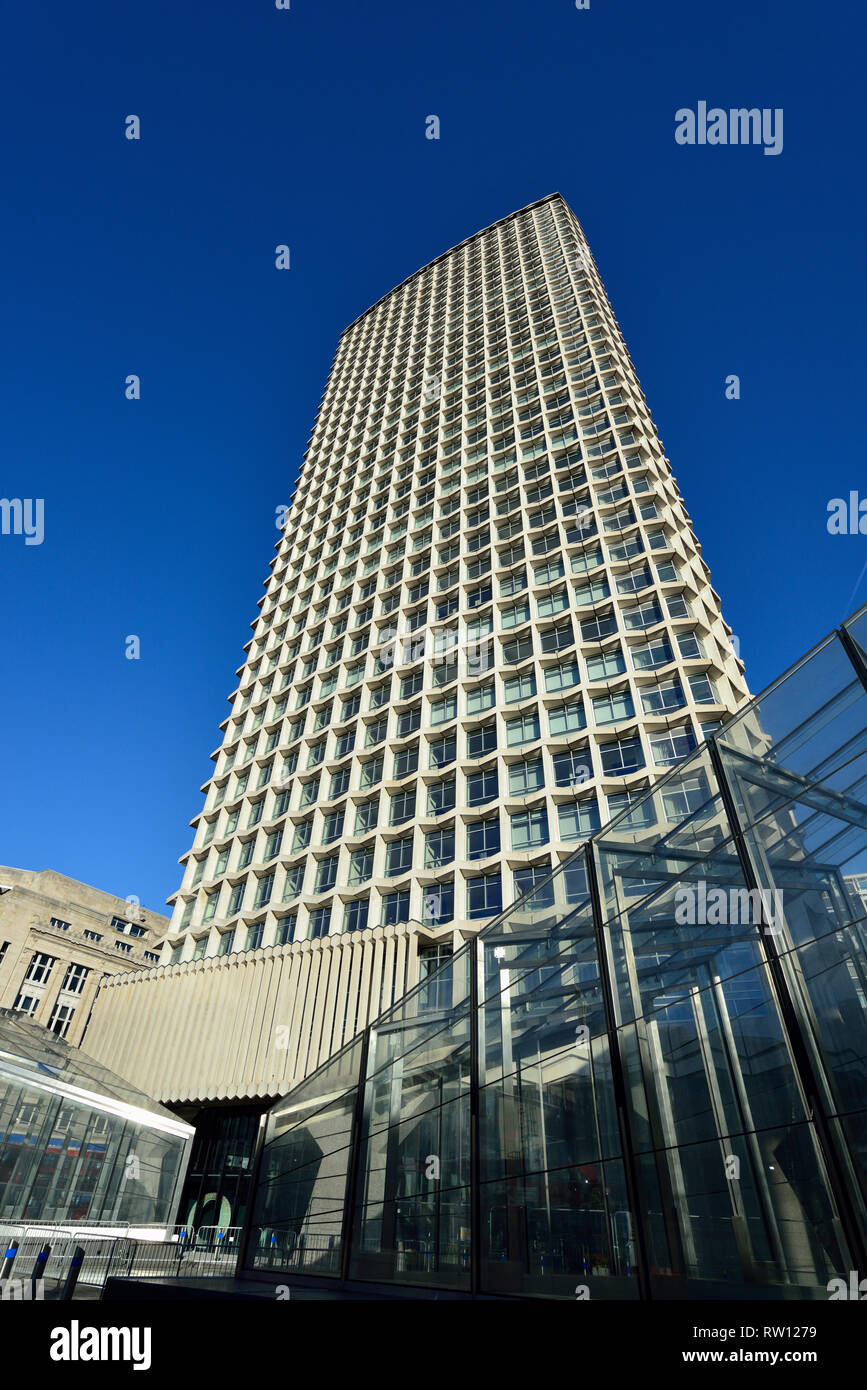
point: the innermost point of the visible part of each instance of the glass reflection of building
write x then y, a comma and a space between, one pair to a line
78, 1144
596, 1094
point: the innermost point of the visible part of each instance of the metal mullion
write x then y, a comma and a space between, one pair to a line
630, 1168
808, 1081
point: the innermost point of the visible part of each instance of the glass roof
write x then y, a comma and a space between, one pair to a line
30, 1047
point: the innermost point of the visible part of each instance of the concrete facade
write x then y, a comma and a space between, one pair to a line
488, 628
59, 938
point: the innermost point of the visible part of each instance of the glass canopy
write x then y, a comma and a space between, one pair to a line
648, 1077
77, 1143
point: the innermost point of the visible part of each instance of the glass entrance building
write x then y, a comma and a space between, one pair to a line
648, 1077
76, 1142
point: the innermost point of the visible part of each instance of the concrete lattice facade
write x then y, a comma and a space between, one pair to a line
488, 627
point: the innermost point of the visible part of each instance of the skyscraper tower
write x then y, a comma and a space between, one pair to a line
488, 624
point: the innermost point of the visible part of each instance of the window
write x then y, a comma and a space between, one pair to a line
435, 973
309, 792
339, 783
286, 929
73, 980
484, 896
527, 880
656, 653
379, 695
555, 639
61, 1017
481, 698
578, 819
40, 967
301, 838
344, 744
227, 940
375, 733
361, 865
395, 908
483, 838
442, 711
445, 672
670, 747
566, 718
402, 807
702, 690
264, 888
320, 922
517, 614
408, 721
645, 615
524, 728
27, 1003
547, 574
611, 708
326, 874
411, 684
513, 583
441, 797
526, 777
601, 625
405, 762
371, 773
245, 852
573, 768
442, 751
606, 665
438, 903
529, 829
563, 676
690, 646
620, 758
662, 698
294, 881
355, 915
439, 848
519, 687
481, 741
332, 827
366, 816
59, 923
236, 897
482, 786
518, 649
551, 604
398, 857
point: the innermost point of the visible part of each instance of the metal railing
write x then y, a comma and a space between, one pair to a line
208, 1252
121, 1249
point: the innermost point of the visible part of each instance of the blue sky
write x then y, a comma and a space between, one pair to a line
306, 127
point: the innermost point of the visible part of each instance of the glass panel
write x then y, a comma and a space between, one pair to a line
298, 1211
564, 1232
733, 1014
78, 1143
